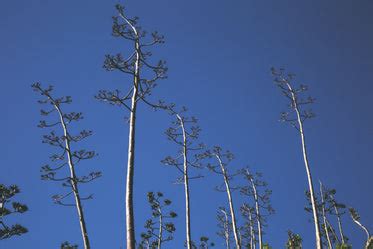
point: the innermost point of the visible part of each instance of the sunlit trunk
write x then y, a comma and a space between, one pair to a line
324, 217
186, 185
226, 229
73, 182
160, 234
130, 226
308, 170
230, 202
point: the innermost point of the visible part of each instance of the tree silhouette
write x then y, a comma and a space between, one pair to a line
204, 243
249, 232
294, 241
67, 245
9, 207
262, 200
296, 118
157, 225
225, 226
144, 77
184, 132
337, 209
66, 159
223, 159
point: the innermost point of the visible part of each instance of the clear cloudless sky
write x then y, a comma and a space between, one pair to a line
219, 55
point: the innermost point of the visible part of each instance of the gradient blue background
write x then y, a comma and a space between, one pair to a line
219, 54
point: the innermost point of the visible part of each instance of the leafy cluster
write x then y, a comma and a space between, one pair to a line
158, 228
8, 207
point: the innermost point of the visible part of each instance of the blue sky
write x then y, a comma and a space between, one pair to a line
219, 54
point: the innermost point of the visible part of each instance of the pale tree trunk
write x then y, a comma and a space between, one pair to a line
186, 185
339, 220
252, 235
160, 234
324, 216
230, 201
309, 176
130, 225
362, 227
257, 210
226, 229
333, 231
73, 181
369, 242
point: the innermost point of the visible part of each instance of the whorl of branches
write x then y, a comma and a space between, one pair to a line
64, 155
296, 97
139, 59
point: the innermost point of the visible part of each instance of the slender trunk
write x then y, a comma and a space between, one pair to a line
230, 201
339, 220
74, 183
186, 186
309, 176
333, 231
362, 227
260, 235
226, 229
130, 226
252, 235
369, 242
160, 229
324, 216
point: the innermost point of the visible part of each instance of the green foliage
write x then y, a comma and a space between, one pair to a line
67, 245
267, 246
158, 228
204, 243
294, 241
370, 243
6, 193
343, 246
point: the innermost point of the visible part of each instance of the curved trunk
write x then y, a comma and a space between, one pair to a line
73, 182
362, 227
308, 170
186, 186
230, 201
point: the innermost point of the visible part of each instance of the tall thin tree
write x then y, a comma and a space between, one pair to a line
67, 158
221, 168
184, 132
249, 230
337, 209
225, 226
323, 213
144, 77
258, 190
296, 117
